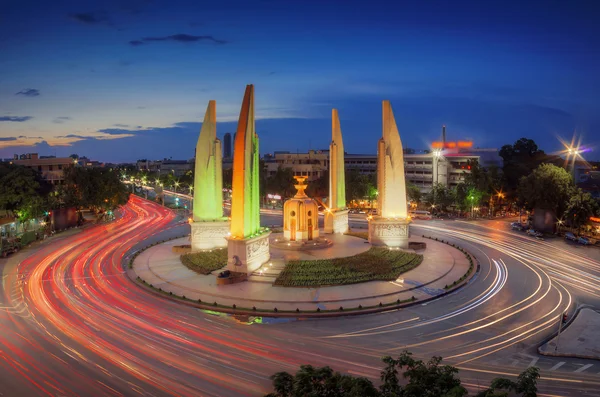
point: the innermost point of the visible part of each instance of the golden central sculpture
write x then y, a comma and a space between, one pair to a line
300, 215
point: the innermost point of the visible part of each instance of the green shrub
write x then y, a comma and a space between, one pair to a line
375, 264
205, 262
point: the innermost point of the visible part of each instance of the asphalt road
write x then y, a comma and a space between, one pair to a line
72, 323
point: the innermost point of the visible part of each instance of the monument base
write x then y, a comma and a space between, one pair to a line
389, 232
336, 221
209, 235
247, 255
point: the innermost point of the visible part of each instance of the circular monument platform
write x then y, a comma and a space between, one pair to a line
279, 242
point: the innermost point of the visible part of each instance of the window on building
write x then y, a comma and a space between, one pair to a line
50, 168
39, 168
60, 166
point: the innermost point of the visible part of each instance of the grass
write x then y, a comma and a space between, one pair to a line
375, 264
205, 262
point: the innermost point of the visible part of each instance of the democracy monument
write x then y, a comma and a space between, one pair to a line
209, 228
299, 268
390, 227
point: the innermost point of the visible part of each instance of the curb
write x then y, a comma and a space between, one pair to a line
293, 314
555, 334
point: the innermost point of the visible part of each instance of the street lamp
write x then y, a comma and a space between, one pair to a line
471, 197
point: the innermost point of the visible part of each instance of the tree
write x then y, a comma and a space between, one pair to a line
526, 385
548, 187
22, 189
311, 381
580, 208
429, 379
95, 188
520, 159
358, 186
440, 196
282, 182
413, 192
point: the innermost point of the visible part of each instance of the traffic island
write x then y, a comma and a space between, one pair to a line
160, 271
578, 338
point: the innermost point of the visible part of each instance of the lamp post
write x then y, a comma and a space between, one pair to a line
471, 197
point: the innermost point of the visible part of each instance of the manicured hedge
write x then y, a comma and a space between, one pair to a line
375, 264
205, 262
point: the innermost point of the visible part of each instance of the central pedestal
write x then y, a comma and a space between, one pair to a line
336, 221
389, 232
247, 255
209, 235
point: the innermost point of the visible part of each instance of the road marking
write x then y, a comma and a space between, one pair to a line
557, 366
514, 363
583, 368
533, 361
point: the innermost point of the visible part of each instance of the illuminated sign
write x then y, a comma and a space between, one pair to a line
274, 196
452, 145
594, 219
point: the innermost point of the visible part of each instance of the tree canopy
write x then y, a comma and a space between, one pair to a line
430, 379
548, 187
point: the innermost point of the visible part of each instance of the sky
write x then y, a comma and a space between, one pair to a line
121, 80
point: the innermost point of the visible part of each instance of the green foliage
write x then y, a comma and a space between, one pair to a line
440, 196
96, 188
429, 379
375, 264
205, 262
525, 386
282, 182
520, 159
548, 187
413, 192
360, 186
580, 208
22, 190
321, 382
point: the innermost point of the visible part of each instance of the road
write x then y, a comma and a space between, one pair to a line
74, 324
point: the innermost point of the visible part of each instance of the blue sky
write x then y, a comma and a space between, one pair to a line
119, 80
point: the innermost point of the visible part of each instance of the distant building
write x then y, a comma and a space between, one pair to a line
227, 153
50, 167
446, 166
177, 167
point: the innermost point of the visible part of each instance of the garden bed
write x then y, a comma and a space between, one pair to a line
376, 264
205, 262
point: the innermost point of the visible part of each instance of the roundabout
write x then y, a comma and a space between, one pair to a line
69, 308
443, 269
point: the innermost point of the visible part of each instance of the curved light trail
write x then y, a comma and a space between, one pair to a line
74, 324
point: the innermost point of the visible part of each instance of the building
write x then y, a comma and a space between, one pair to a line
446, 166
227, 153
50, 167
312, 165
177, 167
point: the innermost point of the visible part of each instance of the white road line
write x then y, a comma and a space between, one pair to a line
533, 361
583, 368
557, 366
514, 363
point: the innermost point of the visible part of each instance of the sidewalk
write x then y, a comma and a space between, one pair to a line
579, 339
442, 265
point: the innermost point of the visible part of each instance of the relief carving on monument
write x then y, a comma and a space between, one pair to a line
211, 232
391, 230
257, 248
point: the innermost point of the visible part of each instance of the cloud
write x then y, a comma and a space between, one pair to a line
15, 119
117, 131
121, 125
61, 119
180, 37
91, 18
10, 138
125, 63
30, 92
